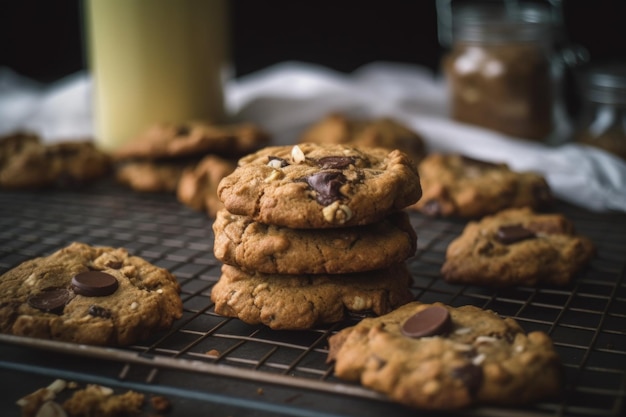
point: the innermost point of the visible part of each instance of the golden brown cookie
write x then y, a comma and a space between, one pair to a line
90, 295
150, 176
170, 140
253, 246
197, 187
304, 301
320, 186
26, 162
438, 357
383, 132
517, 247
459, 186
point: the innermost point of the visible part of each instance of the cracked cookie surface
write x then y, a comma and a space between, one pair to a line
473, 357
517, 247
459, 186
90, 295
291, 302
320, 186
254, 246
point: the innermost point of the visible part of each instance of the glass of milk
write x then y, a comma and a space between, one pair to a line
155, 61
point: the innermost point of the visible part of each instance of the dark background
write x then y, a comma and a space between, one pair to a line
42, 39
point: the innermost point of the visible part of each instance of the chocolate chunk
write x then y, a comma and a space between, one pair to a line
327, 185
114, 264
98, 311
94, 284
428, 322
51, 300
514, 233
471, 376
335, 162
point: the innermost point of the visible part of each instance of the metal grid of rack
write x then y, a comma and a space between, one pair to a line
586, 320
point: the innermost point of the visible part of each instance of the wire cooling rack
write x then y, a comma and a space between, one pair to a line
586, 320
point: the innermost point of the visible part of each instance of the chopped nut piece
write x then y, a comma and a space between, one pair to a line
276, 174
297, 155
275, 163
51, 409
337, 213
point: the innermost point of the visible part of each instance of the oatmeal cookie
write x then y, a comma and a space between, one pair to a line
320, 186
438, 357
150, 176
171, 140
90, 295
197, 187
383, 132
517, 247
26, 162
459, 186
254, 246
304, 301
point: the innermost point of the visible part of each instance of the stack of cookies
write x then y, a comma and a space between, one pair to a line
311, 232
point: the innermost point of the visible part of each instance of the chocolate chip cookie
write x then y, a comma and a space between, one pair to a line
304, 301
254, 246
517, 247
90, 295
459, 186
171, 140
438, 357
197, 187
149, 176
320, 186
383, 132
26, 162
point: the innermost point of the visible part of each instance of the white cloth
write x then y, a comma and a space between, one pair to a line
286, 98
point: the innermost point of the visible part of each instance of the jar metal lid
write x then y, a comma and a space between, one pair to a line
605, 83
494, 23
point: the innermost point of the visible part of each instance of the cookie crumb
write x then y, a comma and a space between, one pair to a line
213, 352
160, 403
96, 400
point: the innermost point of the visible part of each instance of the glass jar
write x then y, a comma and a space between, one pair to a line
603, 108
500, 70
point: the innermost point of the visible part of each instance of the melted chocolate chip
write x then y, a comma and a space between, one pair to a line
514, 233
327, 185
471, 376
51, 300
335, 162
431, 321
98, 311
94, 284
283, 162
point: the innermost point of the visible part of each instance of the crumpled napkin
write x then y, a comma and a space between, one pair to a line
286, 98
